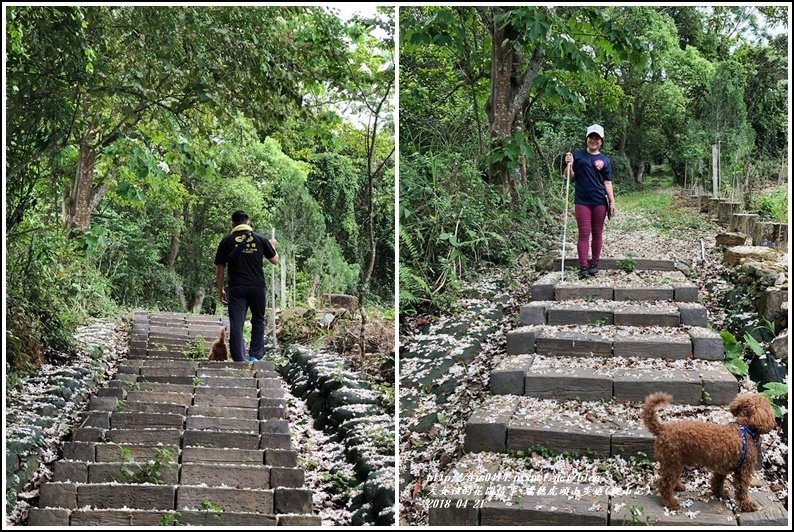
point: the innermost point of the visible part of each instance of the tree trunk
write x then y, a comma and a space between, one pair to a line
500, 120
77, 206
509, 93
283, 270
180, 293
173, 250
198, 301
638, 171
315, 285
362, 292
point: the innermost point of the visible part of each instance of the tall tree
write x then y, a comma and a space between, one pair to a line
136, 61
527, 41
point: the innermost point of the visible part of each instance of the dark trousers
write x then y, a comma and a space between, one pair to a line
241, 298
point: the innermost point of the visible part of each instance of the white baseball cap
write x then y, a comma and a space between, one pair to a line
595, 128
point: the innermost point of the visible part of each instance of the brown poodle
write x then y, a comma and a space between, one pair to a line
219, 352
724, 449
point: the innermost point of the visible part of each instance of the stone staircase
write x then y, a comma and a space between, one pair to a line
578, 366
178, 440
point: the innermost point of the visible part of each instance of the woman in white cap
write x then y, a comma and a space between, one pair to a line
592, 173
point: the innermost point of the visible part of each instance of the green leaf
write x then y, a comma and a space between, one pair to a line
755, 347
775, 389
737, 366
732, 348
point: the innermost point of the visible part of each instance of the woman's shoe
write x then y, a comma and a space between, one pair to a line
584, 273
593, 269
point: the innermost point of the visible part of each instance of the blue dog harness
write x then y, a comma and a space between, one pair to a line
744, 430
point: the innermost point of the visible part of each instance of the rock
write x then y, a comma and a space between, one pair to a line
362, 516
725, 210
730, 239
734, 255
545, 262
770, 234
347, 396
779, 347
743, 223
684, 268
770, 305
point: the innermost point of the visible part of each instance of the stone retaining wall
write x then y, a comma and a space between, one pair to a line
343, 403
45, 406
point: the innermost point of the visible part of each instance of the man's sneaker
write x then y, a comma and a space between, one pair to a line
593, 269
583, 273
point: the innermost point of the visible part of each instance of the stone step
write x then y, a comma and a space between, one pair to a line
150, 408
617, 378
505, 423
226, 475
223, 412
63, 517
611, 340
488, 489
111, 452
222, 424
610, 312
618, 264
135, 420
109, 496
169, 497
616, 285
170, 434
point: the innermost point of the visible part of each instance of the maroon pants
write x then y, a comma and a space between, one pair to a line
590, 220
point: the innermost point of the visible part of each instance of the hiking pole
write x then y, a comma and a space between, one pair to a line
565, 222
273, 293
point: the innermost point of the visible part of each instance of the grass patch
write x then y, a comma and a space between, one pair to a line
660, 211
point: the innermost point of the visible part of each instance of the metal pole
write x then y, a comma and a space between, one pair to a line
565, 223
273, 293
294, 260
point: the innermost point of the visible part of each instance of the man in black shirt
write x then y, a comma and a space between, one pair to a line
243, 251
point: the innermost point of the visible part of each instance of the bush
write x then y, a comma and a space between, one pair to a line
51, 288
774, 204
451, 220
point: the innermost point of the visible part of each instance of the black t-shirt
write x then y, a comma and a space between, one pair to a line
246, 268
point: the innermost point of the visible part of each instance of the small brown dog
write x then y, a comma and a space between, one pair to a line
219, 352
724, 449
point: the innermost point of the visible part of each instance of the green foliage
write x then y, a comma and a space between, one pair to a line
659, 211
628, 264
334, 182
733, 354
329, 268
451, 221
182, 136
210, 506
195, 349
150, 472
171, 519
51, 288
774, 204
387, 395
340, 483
637, 516
755, 348
776, 391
